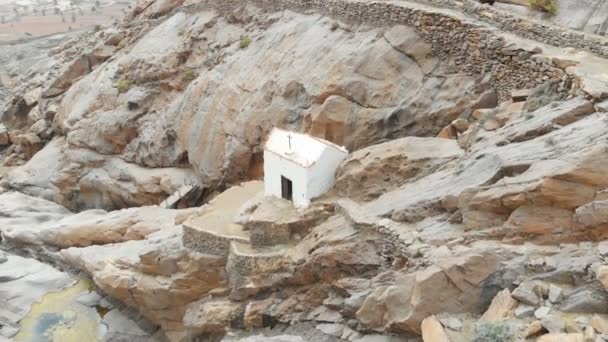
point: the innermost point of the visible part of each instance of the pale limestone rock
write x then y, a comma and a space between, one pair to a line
501, 308
520, 95
542, 312
120, 327
451, 323
460, 124
553, 323
4, 137
589, 334
591, 298
448, 132
255, 310
555, 293
524, 310
599, 324
331, 329
602, 249
528, 292
432, 330
406, 40
534, 329
90, 298
540, 220
602, 107
210, 316
561, 338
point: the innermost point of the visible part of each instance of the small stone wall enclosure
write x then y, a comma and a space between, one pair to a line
471, 45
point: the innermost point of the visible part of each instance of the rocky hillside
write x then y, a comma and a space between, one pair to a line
472, 204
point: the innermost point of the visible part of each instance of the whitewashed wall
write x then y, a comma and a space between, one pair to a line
274, 168
322, 175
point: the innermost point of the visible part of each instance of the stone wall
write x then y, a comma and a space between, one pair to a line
206, 242
465, 45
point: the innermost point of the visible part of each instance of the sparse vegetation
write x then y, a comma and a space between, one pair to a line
190, 75
493, 332
245, 42
123, 86
547, 6
542, 96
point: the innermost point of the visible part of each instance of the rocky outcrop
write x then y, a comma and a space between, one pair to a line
23, 282
158, 101
453, 285
81, 178
369, 172
56, 227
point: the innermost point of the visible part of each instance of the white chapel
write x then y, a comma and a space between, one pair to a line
298, 167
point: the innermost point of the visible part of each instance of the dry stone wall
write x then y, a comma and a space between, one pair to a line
465, 45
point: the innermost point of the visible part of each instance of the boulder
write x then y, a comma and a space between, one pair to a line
211, 316
432, 330
460, 125
451, 285
534, 329
502, 307
553, 323
529, 292
599, 324
159, 277
542, 312
524, 310
448, 132
555, 293
592, 299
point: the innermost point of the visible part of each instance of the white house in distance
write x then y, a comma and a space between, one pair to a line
299, 167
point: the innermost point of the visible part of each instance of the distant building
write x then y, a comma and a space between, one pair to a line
298, 167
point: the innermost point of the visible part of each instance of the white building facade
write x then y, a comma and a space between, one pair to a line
299, 167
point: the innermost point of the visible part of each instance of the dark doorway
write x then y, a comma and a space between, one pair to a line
286, 188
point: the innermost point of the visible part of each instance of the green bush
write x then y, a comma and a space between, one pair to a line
123, 86
542, 96
548, 6
190, 75
493, 332
245, 42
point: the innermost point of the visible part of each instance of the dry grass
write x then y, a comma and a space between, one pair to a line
547, 6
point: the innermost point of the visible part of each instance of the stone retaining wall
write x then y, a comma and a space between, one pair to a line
393, 246
206, 242
246, 264
466, 45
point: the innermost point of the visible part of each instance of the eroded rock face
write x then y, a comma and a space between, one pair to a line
81, 178
157, 275
153, 105
369, 172
30, 220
